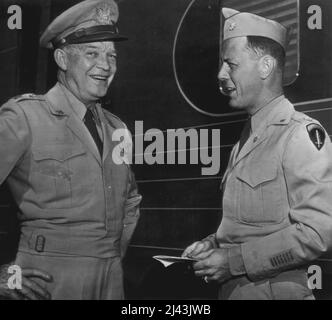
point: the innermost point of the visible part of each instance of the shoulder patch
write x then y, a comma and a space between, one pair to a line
27, 96
316, 135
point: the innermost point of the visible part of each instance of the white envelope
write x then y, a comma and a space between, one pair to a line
169, 260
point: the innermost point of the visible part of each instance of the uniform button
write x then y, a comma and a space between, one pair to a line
109, 187
40, 243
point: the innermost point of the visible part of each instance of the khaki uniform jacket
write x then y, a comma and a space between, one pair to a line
71, 200
277, 194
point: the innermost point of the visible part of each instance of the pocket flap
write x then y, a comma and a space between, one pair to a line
58, 152
257, 175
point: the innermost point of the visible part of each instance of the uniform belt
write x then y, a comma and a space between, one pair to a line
44, 241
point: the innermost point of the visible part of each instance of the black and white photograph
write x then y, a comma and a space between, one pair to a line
175, 152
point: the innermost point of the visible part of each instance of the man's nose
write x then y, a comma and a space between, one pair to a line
223, 74
104, 63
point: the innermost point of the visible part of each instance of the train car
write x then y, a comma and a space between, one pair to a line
167, 83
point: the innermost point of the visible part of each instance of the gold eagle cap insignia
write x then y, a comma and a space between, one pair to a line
104, 14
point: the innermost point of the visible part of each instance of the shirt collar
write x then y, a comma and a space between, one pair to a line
78, 107
263, 114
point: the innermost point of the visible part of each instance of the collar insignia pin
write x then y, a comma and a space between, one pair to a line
232, 26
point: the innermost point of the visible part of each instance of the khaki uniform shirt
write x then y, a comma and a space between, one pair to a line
71, 200
277, 192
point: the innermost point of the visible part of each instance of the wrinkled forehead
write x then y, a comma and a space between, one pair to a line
107, 46
233, 47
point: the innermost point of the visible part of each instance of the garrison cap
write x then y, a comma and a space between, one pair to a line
241, 24
87, 21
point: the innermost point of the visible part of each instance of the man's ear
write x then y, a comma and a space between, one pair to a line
61, 59
267, 64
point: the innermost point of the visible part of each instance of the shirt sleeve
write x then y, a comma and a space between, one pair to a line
15, 137
307, 168
132, 213
212, 239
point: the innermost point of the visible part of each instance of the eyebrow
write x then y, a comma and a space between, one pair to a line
90, 46
229, 60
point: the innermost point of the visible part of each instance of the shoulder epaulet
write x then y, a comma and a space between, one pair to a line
301, 117
28, 96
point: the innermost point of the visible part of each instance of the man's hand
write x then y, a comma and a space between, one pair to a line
213, 265
31, 290
197, 248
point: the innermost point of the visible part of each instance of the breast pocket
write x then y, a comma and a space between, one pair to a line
260, 198
52, 174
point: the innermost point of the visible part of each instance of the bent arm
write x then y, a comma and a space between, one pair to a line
308, 175
131, 214
15, 137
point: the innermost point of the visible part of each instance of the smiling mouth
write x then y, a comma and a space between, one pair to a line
227, 90
99, 77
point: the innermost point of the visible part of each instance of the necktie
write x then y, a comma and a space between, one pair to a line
91, 125
245, 134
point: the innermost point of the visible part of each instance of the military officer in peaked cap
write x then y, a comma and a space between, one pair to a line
78, 207
277, 204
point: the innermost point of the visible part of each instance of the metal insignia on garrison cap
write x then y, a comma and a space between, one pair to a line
316, 134
232, 26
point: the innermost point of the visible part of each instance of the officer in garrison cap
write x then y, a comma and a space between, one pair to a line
277, 204
78, 206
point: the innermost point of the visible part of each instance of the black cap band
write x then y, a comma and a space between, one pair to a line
91, 34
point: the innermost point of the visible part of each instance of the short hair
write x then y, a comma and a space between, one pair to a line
72, 48
262, 45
